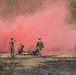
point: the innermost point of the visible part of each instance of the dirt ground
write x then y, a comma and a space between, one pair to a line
64, 64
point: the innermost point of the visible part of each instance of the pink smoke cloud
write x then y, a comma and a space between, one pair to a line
49, 24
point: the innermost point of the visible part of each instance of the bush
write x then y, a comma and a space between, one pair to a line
73, 10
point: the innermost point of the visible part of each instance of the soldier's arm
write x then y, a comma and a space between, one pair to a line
37, 45
42, 45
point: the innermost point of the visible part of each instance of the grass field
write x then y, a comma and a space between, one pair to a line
35, 65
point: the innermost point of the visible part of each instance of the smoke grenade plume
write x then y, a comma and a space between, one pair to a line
46, 20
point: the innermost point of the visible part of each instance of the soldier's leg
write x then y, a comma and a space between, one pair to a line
12, 52
39, 51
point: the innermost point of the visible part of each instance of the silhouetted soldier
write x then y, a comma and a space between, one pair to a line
39, 46
20, 48
11, 43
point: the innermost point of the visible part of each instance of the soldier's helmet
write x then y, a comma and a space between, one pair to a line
39, 38
11, 38
20, 44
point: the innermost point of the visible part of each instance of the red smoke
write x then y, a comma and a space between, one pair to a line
49, 24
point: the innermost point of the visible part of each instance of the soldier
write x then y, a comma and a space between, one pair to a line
11, 43
39, 46
29, 52
20, 48
32, 51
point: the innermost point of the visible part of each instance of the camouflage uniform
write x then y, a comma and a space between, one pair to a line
20, 48
29, 52
32, 52
39, 46
11, 43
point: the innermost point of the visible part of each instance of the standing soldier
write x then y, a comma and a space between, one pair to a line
11, 43
39, 46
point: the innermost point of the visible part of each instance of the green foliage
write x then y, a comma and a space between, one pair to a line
73, 10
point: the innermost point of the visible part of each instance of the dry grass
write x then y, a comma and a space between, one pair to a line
36, 65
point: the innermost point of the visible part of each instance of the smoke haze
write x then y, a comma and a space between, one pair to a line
46, 19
